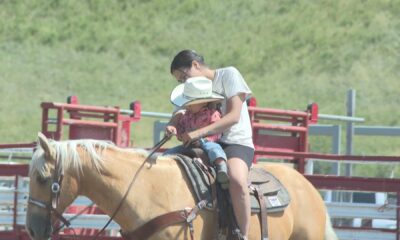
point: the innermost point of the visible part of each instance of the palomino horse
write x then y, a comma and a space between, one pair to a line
102, 172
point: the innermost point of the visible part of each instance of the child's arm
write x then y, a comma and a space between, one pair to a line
171, 128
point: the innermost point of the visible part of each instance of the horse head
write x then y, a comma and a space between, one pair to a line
50, 189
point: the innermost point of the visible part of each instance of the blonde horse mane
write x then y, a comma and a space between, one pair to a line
67, 156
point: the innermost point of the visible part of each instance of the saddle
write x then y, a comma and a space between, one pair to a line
268, 195
276, 199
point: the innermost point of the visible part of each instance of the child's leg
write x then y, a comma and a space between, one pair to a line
214, 151
175, 150
222, 173
217, 157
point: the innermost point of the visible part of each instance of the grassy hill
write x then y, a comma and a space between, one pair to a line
113, 52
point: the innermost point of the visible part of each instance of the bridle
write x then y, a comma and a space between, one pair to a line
55, 194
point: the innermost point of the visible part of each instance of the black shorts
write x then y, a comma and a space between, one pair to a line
239, 151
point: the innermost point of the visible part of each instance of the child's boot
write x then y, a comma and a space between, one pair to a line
222, 174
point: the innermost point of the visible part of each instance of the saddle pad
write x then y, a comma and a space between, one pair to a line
198, 179
276, 196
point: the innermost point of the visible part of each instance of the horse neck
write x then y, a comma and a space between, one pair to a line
105, 186
158, 186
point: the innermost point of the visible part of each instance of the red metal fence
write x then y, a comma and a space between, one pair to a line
86, 121
278, 134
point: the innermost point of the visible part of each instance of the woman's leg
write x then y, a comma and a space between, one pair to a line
238, 189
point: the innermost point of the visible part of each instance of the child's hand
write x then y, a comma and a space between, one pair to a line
170, 130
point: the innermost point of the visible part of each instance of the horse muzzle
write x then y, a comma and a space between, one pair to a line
39, 226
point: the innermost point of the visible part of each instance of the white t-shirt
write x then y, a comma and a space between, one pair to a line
229, 82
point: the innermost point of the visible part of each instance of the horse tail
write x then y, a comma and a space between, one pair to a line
329, 233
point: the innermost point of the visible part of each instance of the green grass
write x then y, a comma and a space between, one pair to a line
291, 53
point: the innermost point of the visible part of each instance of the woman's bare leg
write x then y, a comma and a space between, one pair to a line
238, 189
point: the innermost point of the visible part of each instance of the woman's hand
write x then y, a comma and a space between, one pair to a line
189, 137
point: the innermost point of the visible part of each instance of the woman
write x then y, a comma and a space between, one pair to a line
235, 126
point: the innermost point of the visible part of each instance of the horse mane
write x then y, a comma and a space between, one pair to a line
67, 155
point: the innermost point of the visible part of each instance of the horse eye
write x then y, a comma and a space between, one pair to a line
41, 180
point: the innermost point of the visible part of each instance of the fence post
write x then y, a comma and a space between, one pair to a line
158, 128
351, 109
398, 216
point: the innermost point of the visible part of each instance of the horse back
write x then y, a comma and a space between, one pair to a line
306, 213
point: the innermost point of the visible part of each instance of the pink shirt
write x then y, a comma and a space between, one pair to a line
192, 121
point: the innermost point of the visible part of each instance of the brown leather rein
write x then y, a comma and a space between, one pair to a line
153, 150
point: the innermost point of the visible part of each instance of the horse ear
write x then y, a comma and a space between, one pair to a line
44, 143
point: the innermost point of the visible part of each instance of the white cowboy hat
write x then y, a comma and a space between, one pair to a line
194, 90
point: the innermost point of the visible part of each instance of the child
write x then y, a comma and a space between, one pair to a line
198, 104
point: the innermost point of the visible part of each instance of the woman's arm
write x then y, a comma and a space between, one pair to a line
232, 116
